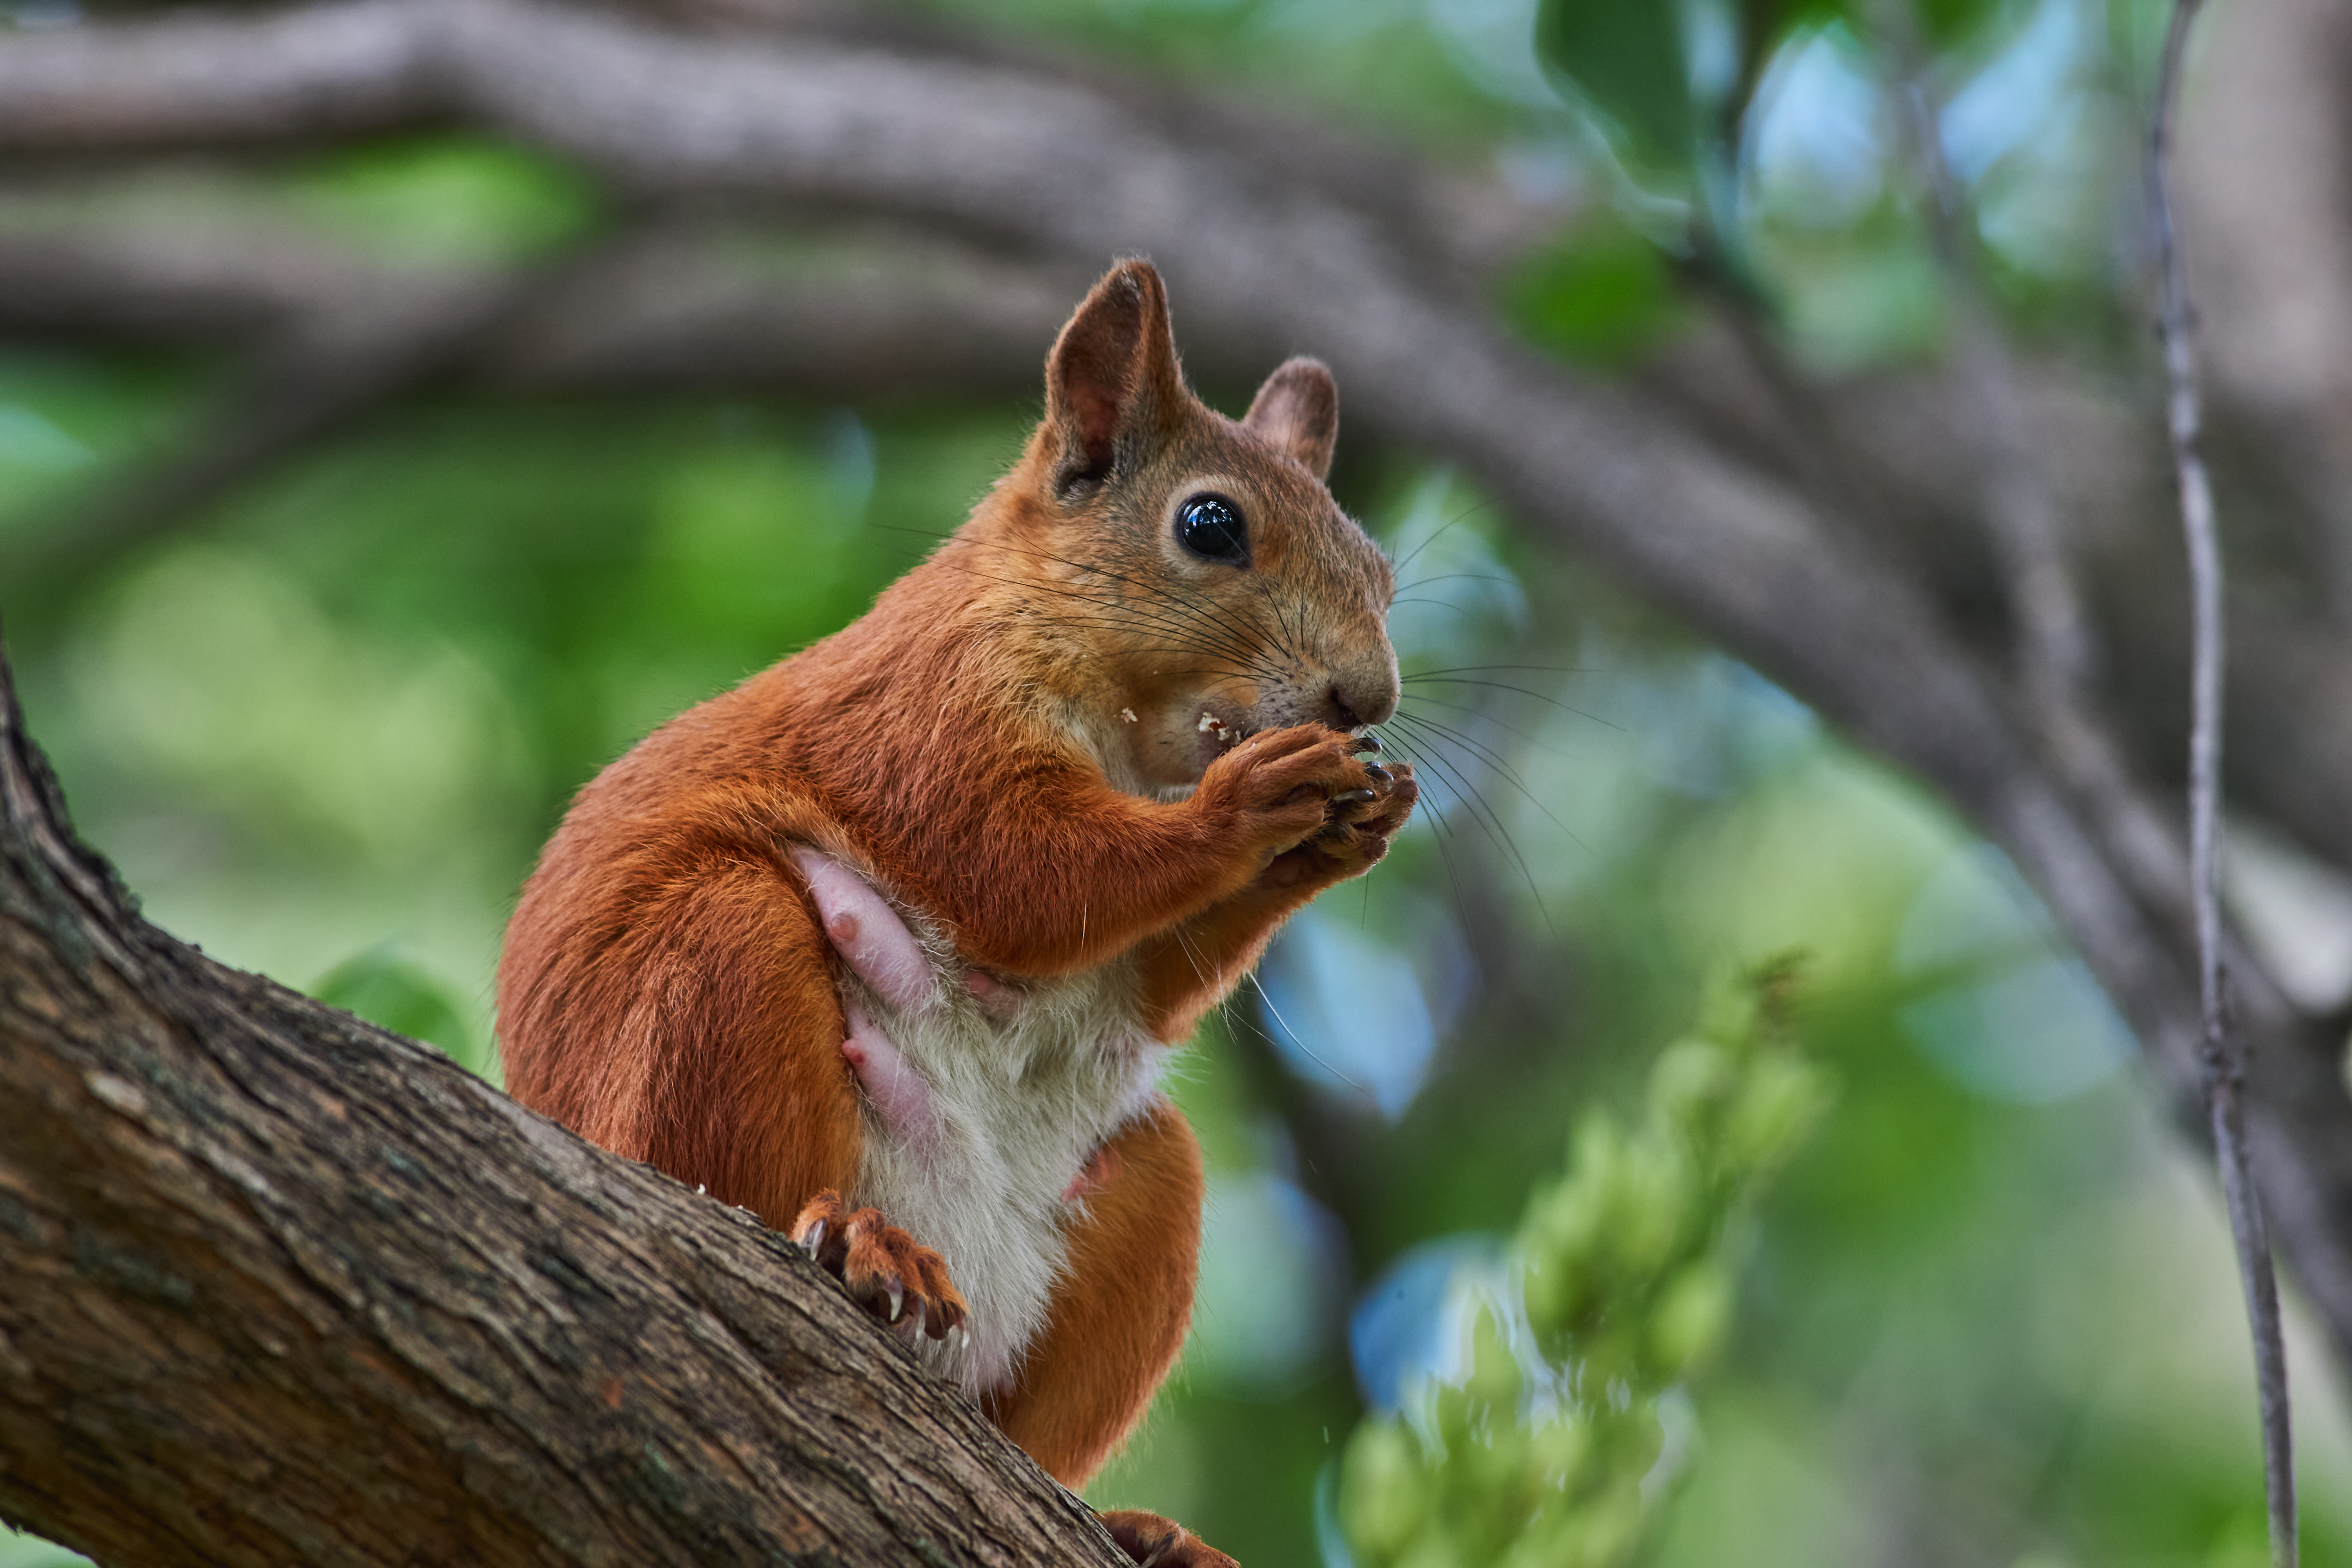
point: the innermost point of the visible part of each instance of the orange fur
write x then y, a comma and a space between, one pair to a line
1120, 1315
1009, 743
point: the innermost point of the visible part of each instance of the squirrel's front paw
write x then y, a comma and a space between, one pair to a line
1158, 1542
1281, 786
885, 1270
1355, 834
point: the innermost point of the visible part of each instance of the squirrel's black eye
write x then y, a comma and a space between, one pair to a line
1211, 527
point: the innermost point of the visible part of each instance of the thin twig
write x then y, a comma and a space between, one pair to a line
2225, 1056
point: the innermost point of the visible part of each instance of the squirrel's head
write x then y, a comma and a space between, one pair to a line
1188, 578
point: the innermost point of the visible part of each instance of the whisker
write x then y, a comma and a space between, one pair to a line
1432, 730
1506, 686
1299, 1040
1206, 613
1480, 713
1441, 603
1491, 823
1495, 761
1445, 835
1288, 632
1457, 576
1531, 669
1452, 524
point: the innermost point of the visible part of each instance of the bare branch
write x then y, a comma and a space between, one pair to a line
330, 336
299, 389
683, 301
2223, 1052
328, 71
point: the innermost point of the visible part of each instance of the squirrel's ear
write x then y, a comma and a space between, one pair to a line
1298, 409
1111, 377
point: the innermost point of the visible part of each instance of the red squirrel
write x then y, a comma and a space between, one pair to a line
910, 923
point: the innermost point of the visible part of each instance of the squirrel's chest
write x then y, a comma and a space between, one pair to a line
981, 1151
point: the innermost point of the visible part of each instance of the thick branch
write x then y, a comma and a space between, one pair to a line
307, 1292
690, 302
700, 303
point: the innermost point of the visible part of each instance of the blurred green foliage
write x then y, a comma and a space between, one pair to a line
1673, 78
380, 985
1632, 62
1987, 1315
1599, 295
444, 198
1539, 1457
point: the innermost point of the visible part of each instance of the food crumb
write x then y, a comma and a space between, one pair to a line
1128, 714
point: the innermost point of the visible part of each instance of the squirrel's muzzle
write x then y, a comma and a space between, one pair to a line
1363, 690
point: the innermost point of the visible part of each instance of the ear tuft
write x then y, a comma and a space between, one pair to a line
1298, 409
1111, 374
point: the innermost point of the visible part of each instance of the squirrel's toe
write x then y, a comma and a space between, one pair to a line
1157, 1543
896, 1280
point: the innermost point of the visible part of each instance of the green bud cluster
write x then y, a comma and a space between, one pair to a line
1538, 1455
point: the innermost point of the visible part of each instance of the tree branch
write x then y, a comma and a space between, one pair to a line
2224, 1059
699, 302
298, 388
309, 1292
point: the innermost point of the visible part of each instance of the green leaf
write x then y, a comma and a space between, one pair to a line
1692, 1318
1627, 59
1383, 1492
1600, 296
441, 198
1949, 22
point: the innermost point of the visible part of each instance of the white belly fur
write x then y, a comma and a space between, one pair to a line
1024, 1099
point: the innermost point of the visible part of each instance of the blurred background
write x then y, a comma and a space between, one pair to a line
321, 662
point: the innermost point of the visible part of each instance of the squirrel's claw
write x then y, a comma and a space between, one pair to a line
1156, 1542
885, 1271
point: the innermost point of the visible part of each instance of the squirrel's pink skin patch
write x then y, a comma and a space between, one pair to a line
1094, 1175
896, 1090
997, 999
867, 932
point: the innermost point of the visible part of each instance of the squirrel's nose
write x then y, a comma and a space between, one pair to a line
1354, 704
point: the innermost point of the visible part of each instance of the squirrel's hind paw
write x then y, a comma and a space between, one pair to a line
898, 1281
1157, 1543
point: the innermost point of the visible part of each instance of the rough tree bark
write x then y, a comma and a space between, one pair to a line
282, 1287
